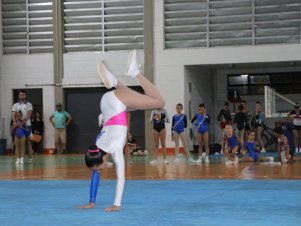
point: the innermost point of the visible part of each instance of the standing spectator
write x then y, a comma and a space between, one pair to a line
158, 118
224, 118
202, 120
240, 119
258, 123
20, 130
26, 108
179, 123
38, 130
296, 114
249, 117
60, 119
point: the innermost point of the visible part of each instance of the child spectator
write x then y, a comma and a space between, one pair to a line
258, 123
19, 129
251, 150
179, 123
241, 120
201, 122
224, 118
231, 146
283, 145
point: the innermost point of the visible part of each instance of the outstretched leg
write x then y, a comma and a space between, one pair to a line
132, 99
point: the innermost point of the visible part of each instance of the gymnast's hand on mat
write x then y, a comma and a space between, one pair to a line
112, 209
87, 206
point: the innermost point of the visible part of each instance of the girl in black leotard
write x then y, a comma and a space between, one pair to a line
158, 118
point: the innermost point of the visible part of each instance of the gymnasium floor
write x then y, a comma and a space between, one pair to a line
49, 191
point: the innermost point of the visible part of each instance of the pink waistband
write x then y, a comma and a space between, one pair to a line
119, 119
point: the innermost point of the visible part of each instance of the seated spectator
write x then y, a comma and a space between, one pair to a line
283, 146
134, 148
251, 150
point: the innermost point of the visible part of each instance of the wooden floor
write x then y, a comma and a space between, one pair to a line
71, 167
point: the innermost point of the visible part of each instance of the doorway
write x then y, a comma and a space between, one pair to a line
83, 104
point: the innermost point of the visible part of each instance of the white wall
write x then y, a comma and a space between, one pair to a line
80, 68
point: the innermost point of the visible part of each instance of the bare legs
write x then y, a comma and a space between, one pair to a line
231, 155
132, 99
181, 136
160, 137
29, 146
203, 141
20, 149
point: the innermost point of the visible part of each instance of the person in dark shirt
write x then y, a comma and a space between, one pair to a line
37, 129
241, 120
224, 116
258, 124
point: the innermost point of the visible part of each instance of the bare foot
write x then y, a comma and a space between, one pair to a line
112, 209
87, 206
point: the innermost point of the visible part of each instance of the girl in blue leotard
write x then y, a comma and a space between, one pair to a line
179, 123
201, 121
251, 150
231, 145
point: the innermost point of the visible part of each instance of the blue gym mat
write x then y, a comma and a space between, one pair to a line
172, 202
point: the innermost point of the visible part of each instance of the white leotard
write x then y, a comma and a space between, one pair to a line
113, 138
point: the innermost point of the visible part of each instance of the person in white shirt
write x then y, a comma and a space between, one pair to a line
26, 108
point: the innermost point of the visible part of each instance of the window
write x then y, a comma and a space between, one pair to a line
253, 84
210, 23
27, 26
91, 25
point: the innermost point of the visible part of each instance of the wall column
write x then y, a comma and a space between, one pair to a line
58, 50
148, 67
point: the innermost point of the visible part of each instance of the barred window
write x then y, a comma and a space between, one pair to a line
103, 25
209, 23
186, 23
27, 26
